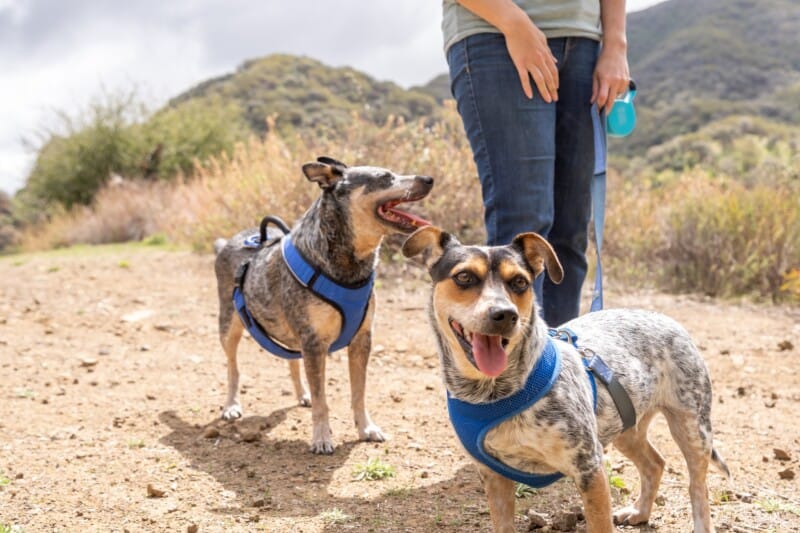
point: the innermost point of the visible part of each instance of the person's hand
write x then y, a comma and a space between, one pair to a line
611, 77
529, 51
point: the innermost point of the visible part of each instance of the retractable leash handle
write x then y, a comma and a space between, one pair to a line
622, 119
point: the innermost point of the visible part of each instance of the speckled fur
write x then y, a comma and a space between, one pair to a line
652, 356
340, 234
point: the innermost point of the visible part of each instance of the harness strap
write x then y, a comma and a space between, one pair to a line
251, 324
473, 421
627, 412
351, 302
596, 367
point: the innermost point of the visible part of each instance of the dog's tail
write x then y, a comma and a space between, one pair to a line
219, 244
717, 461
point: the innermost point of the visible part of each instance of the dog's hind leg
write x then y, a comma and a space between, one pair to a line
500, 494
692, 433
230, 335
300, 390
357, 359
635, 445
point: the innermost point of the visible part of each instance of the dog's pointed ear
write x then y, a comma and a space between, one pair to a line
325, 171
539, 255
431, 242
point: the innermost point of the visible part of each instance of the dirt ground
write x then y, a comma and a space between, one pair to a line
113, 380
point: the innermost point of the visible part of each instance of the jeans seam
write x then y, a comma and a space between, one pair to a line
483, 146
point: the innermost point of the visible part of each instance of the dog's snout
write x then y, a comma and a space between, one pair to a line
504, 316
426, 180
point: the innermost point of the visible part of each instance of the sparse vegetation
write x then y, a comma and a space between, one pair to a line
335, 516
373, 470
523, 491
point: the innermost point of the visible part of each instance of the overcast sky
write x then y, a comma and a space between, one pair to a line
59, 54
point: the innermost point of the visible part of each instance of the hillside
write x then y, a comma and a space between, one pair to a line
696, 62
304, 93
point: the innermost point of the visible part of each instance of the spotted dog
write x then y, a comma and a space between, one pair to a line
340, 235
490, 337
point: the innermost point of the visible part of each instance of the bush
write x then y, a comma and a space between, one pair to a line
116, 137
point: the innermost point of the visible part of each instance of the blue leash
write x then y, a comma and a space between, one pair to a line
598, 200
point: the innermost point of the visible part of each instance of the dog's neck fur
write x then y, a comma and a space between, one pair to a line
325, 236
521, 361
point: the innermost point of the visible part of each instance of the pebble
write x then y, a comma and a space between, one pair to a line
781, 455
251, 436
211, 433
154, 492
565, 521
538, 520
192, 528
787, 474
88, 362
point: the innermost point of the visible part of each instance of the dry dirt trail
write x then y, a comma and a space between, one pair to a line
113, 379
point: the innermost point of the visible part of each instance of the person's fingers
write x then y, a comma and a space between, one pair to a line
550, 75
525, 80
541, 85
603, 95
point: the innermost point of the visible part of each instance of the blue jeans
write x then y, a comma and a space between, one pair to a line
535, 160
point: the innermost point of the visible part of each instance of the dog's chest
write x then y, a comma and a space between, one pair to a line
526, 443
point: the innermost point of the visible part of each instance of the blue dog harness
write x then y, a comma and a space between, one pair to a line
350, 301
472, 421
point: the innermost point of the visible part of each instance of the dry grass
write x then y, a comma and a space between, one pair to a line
682, 231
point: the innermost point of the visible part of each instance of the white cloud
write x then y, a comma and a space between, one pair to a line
61, 54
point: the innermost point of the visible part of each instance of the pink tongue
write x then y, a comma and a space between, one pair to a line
489, 354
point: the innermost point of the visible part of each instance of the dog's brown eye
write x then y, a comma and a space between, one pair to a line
520, 283
465, 278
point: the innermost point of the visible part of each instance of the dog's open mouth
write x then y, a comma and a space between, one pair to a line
486, 352
403, 220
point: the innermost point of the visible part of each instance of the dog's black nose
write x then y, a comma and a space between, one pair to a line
504, 316
427, 180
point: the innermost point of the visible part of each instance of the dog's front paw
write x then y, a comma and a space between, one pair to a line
630, 516
322, 441
371, 433
232, 412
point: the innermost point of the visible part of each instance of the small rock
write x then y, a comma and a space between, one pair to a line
150, 396
660, 500
192, 528
744, 497
88, 362
538, 520
144, 348
787, 474
781, 455
251, 436
424, 474
741, 391
19, 475
565, 521
428, 387
153, 492
785, 345
261, 502
211, 433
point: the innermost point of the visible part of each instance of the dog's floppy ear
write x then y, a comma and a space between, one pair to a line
430, 241
325, 171
539, 254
